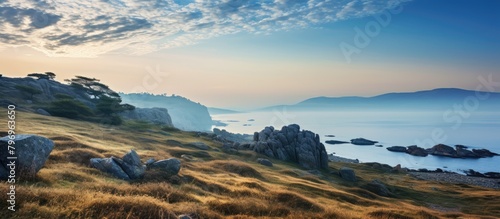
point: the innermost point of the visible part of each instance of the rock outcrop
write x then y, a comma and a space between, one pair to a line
130, 166
400, 149
170, 166
158, 116
186, 114
416, 151
460, 151
291, 144
109, 165
224, 136
347, 174
484, 153
336, 142
49, 88
362, 141
443, 150
463, 152
378, 188
340, 159
31, 152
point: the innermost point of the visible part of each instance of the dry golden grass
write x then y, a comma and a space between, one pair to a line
216, 184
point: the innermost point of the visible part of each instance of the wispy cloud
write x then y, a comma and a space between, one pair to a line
95, 27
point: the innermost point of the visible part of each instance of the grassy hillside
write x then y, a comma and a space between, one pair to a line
214, 184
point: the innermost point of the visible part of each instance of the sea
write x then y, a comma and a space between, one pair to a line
475, 130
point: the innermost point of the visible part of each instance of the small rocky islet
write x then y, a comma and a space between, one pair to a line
443, 150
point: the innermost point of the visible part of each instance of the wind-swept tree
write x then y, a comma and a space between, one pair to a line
46, 75
51, 75
92, 87
39, 76
107, 102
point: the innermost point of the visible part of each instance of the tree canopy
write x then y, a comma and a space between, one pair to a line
107, 102
46, 75
92, 87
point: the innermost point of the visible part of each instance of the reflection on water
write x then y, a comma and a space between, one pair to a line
424, 129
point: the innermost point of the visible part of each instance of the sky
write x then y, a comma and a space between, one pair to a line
244, 54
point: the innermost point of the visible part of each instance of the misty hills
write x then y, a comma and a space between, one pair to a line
437, 99
216, 111
186, 114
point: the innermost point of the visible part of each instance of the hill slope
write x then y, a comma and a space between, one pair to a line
214, 184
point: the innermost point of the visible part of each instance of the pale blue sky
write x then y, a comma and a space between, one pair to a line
248, 53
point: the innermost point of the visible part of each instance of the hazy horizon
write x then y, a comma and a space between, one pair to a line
251, 54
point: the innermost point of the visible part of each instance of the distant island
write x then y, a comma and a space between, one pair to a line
436, 99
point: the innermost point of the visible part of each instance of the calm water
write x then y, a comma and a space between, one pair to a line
425, 129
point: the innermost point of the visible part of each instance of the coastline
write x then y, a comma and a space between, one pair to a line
478, 179
455, 178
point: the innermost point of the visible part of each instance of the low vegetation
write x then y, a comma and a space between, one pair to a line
214, 184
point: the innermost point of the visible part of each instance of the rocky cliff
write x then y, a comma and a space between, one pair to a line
292, 144
186, 114
155, 115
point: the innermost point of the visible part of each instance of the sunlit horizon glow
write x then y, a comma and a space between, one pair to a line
245, 54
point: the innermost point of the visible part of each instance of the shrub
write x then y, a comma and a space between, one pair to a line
63, 96
28, 90
71, 109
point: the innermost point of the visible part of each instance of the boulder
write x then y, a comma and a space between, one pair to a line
347, 174
31, 151
109, 165
42, 112
378, 188
416, 151
199, 145
397, 149
443, 150
292, 145
132, 165
362, 141
265, 162
170, 166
